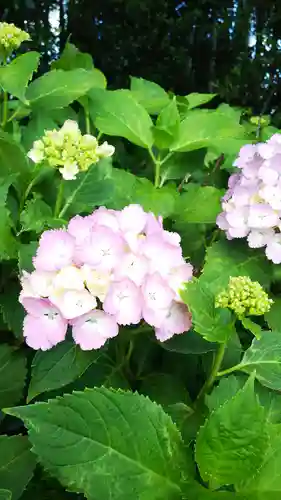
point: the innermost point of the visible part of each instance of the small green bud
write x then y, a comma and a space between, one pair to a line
244, 297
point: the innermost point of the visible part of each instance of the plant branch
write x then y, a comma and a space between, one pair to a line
214, 372
59, 201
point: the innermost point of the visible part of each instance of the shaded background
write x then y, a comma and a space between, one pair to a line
228, 46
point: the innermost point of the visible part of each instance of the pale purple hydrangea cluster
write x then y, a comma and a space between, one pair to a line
252, 204
107, 269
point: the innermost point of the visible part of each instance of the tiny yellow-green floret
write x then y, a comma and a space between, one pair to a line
11, 38
244, 297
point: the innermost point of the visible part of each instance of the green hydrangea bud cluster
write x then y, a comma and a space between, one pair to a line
11, 38
244, 297
69, 150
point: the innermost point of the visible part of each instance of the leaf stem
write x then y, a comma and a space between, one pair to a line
87, 122
229, 370
59, 200
214, 372
27, 191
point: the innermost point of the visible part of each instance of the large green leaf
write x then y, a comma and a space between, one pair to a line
264, 357
215, 325
13, 159
188, 343
128, 188
15, 76
59, 367
167, 125
59, 88
196, 99
273, 317
117, 113
26, 252
108, 445
267, 479
224, 259
72, 58
35, 215
8, 243
5, 495
12, 375
12, 310
200, 128
92, 188
231, 445
199, 204
16, 464
149, 94
184, 165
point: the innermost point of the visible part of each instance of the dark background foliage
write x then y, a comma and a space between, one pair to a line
230, 46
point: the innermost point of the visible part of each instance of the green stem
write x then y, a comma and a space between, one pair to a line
59, 201
157, 164
5, 110
229, 370
214, 372
87, 122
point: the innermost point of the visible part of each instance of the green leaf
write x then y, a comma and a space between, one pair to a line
188, 343
12, 375
16, 464
255, 329
59, 88
200, 128
58, 367
226, 390
13, 159
167, 125
35, 215
5, 495
93, 442
25, 254
8, 243
15, 76
165, 389
159, 201
102, 372
72, 58
149, 94
199, 204
215, 325
224, 259
5, 184
92, 188
196, 99
273, 317
264, 357
128, 188
267, 479
12, 310
117, 113
231, 445
183, 165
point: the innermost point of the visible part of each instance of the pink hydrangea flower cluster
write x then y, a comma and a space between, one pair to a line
252, 204
107, 269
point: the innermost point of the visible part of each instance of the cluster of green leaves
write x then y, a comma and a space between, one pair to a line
197, 417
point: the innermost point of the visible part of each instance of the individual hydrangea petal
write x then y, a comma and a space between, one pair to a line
273, 249
37, 307
92, 330
73, 303
55, 251
106, 218
44, 332
258, 238
103, 249
157, 297
162, 255
124, 302
177, 321
105, 150
69, 278
177, 278
262, 216
80, 227
97, 282
69, 171
132, 219
132, 266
